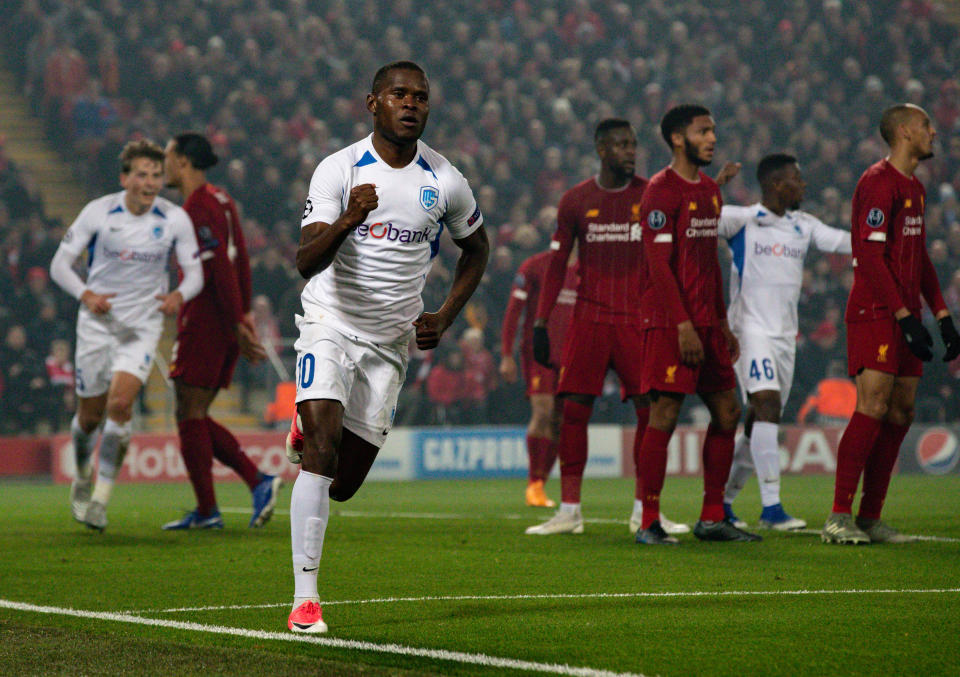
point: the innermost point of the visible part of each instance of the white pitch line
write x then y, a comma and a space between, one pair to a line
513, 516
591, 595
356, 645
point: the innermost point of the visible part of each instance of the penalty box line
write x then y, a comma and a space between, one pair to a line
546, 596
332, 642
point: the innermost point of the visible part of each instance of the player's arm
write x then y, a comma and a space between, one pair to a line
828, 239
659, 213
727, 173
74, 241
733, 343
188, 258
511, 320
560, 247
930, 288
320, 241
474, 251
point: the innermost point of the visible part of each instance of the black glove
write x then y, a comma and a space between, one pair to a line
951, 339
541, 346
918, 338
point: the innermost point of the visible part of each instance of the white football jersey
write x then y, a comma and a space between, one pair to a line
767, 267
372, 288
129, 255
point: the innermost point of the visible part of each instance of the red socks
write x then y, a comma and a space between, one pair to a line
643, 417
879, 467
653, 468
226, 449
717, 457
855, 446
542, 452
196, 447
573, 449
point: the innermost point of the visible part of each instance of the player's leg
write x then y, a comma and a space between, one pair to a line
322, 422
882, 459
765, 450
741, 470
874, 390
356, 457
652, 463
83, 432
124, 388
541, 448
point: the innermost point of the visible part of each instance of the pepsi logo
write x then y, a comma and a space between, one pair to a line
937, 451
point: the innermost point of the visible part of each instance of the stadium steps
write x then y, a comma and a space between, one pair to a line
27, 145
159, 398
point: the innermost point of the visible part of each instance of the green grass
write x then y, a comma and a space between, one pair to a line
480, 550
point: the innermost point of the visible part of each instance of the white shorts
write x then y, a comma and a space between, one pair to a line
766, 363
364, 377
105, 346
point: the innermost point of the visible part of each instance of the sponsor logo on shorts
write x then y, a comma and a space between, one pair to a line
671, 374
875, 217
882, 352
937, 451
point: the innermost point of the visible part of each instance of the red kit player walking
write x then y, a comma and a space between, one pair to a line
886, 341
212, 331
688, 345
541, 381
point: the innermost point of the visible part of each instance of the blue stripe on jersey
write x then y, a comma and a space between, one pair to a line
116, 210
738, 244
423, 163
158, 212
90, 246
367, 159
435, 243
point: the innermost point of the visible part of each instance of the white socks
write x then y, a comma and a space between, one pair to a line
309, 513
741, 469
571, 508
766, 456
83, 446
113, 447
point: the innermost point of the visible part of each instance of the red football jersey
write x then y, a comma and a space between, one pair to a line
606, 227
891, 267
524, 297
681, 272
226, 267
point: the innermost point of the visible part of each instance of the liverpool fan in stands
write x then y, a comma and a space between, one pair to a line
687, 345
129, 236
541, 381
213, 330
769, 242
886, 341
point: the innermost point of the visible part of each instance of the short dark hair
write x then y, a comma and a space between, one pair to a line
893, 117
197, 149
381, 74
678, 118
137, 149
609, 124
772, 164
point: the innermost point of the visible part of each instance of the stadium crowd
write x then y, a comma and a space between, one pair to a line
517, 88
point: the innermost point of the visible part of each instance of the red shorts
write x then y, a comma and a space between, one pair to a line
663, 370
879, 344
592, 348
540, 380
203, 360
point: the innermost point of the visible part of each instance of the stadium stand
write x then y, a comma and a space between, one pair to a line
274, 84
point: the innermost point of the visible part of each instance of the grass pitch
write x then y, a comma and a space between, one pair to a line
413, 570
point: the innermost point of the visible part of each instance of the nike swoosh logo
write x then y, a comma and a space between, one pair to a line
309, 570
303, 626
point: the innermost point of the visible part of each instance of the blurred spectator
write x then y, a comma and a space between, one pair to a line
24, 383
479, 375
446, 386
61, 401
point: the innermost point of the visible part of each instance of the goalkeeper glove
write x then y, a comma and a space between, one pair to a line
918, 338
951, 339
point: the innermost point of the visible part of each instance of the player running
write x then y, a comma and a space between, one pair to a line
688, 345
602, 215
128, 237
769, 241
541, 381
370, 229
886, 341
212, 331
